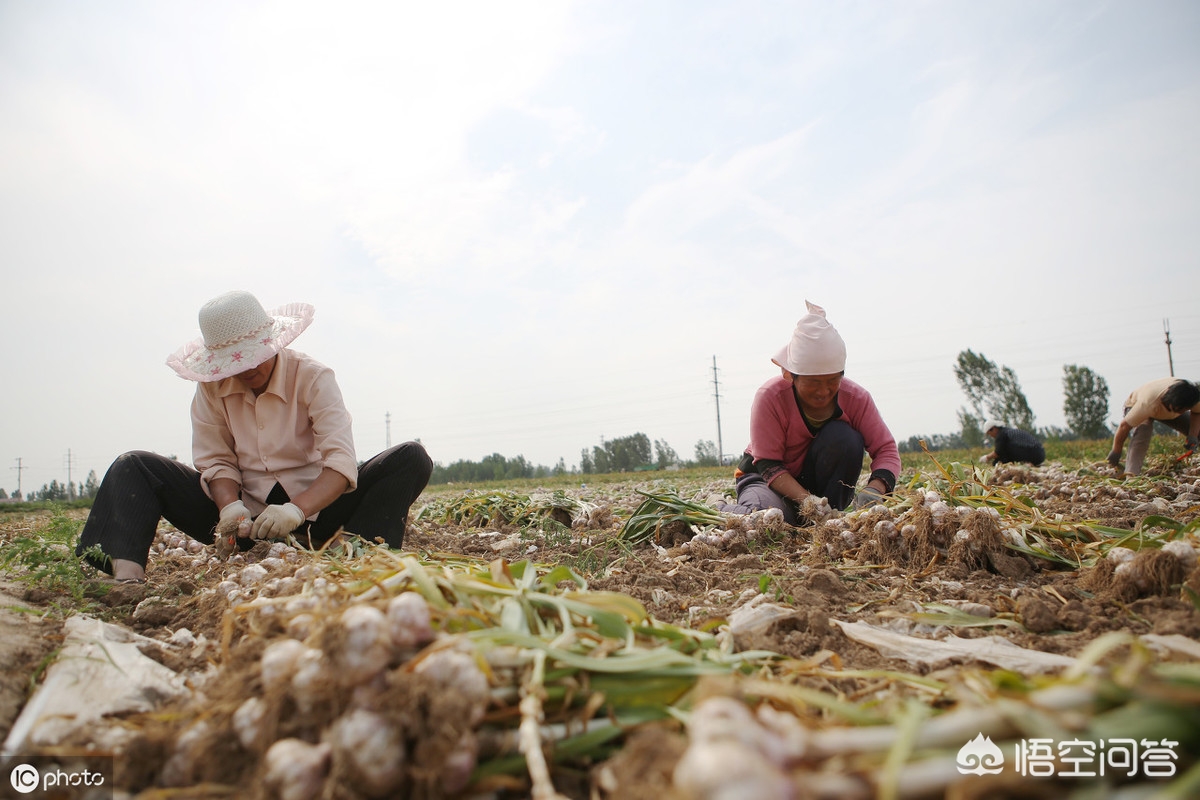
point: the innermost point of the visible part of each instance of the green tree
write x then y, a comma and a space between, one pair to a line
664, 454
586, 465
627, 453
91, 485
992, 391
706, 454
1085, 402
972, 428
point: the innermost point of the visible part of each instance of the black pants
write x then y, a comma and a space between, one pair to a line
831, 469
140, 488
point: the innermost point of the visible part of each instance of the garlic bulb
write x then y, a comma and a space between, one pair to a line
252, 575
311, 679
295, 769
408, 620
367, 648
1182, 551
279, 662
248, 722
180, 769
369, 752
1119, 555
458, 671
458, 766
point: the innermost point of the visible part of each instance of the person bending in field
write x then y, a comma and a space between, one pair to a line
272, 449
1172, 401
809, 428
1013, 445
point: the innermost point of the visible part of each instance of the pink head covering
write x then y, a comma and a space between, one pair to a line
816, 347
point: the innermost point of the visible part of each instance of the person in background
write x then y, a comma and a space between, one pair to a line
272, 449
809, 428
1012, 445
1172, 401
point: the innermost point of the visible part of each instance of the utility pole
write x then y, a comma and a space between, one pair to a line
717, 397
387, 423
18, 469
1170, 360
70, 485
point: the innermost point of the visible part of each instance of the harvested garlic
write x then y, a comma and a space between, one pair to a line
369, 751
367, 649
408, 620
248, 722
458, 671
296, 770
458, 766
1182, 551
279, 663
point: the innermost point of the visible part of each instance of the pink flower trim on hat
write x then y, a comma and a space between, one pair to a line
196, 361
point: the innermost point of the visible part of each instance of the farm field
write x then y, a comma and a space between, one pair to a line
985, 632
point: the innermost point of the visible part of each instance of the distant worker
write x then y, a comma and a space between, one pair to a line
1172, 401
809, 429
1013, 445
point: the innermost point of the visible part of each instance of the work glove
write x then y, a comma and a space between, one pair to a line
1192, 442
231, 517
276, 522
1114, 458
867, 497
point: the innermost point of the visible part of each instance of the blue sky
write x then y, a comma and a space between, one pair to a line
527, 226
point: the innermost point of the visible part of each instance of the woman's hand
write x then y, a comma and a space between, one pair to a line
232, 516
276, 522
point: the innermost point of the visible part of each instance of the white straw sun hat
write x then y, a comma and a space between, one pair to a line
816, 348
238, 334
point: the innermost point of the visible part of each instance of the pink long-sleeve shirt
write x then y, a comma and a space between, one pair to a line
297, 427
778, 431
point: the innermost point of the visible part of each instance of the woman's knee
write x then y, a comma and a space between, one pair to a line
840, 436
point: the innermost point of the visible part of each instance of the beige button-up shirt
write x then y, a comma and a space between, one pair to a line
1145, 403
288, 434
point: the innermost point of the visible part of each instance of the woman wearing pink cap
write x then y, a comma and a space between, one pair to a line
272, 449
809, 429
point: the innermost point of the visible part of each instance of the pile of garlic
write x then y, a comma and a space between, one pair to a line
347, 662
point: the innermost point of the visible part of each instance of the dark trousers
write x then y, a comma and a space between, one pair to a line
831, 470
140, 488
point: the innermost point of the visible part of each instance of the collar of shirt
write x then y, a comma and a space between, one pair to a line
276, 386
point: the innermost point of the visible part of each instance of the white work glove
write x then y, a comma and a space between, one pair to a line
232, 515
867, 497
276, 522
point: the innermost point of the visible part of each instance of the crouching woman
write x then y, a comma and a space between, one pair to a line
809, 429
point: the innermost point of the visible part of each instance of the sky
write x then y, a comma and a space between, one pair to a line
528, 227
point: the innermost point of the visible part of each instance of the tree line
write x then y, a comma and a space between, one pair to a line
993, 392
630, 453
60, 492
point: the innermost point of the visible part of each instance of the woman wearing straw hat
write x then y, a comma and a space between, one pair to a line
809, 429
272, 448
